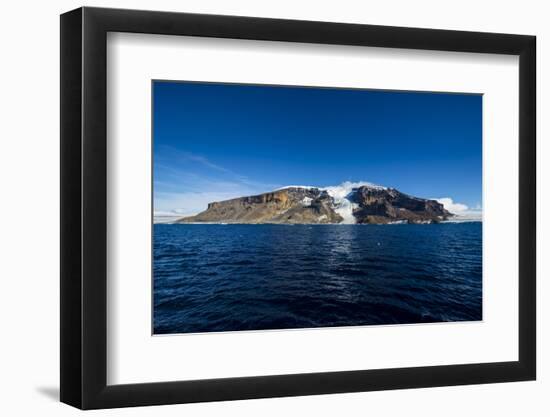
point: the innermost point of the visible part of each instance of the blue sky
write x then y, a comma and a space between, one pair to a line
218, 141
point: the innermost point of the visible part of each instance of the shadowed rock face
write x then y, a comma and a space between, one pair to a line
389, 205
294, 205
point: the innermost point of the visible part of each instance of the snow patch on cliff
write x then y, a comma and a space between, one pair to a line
306, 187
344, 188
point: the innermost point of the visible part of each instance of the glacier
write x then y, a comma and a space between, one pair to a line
341, 194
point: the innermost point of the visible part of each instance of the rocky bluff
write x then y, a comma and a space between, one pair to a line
295, 205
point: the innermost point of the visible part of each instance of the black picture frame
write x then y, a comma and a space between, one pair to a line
84, 207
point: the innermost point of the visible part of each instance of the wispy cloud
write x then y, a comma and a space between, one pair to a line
189, 203
186, 182
205, 161
185, 158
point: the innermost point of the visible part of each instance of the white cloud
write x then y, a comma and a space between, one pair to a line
450, 205
462, 211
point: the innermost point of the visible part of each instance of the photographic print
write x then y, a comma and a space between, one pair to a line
290, 207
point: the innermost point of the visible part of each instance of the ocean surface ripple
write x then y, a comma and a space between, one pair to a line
212, 278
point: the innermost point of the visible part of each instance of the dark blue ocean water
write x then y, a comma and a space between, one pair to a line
249, 277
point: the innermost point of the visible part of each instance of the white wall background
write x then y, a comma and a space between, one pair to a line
29, 175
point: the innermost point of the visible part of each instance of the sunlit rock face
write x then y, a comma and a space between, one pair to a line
347, 203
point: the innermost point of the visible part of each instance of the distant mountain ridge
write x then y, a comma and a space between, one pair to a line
352, 203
